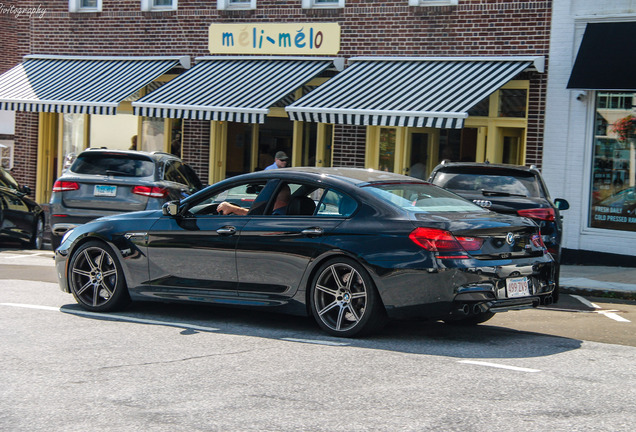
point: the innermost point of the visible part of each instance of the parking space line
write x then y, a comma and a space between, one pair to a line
613, 315
499, 366
114, 317
585, 301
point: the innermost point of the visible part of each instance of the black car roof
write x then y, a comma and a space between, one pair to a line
356, 176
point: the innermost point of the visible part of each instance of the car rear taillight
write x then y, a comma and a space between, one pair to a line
63, 186
444, 242
545, 214
150, 191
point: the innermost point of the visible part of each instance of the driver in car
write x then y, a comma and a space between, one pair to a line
280, 205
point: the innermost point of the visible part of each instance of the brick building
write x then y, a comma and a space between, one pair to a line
494, 52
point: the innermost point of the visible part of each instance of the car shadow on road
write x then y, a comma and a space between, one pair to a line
413, 337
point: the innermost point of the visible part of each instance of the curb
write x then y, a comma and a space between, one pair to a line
592, 292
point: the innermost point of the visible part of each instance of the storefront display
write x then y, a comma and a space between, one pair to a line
613, 191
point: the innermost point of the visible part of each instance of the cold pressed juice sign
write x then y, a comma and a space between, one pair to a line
281, 39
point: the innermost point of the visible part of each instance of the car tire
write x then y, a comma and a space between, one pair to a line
344, 300
37, 239
96, 279
479, 318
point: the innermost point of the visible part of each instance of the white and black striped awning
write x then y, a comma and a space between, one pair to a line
414, 92
83, 85
238, 89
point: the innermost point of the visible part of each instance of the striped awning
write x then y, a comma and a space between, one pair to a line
239, 89
83, 85
414, 92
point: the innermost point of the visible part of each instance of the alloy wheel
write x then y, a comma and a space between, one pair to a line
340, 297
94, 277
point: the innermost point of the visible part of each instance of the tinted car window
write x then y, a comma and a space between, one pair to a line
120, 165
422, 198
243, 195
335, 203
516, 184
174, 174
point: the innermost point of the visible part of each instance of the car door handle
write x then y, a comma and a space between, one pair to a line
312, 232
226, 231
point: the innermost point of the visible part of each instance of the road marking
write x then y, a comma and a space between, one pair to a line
317, 342
113, 317
612, 315
608, 313
27, 255
585, 301
499, 366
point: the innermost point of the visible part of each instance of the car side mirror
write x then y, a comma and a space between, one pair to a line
561, 204
170, 208
25, 190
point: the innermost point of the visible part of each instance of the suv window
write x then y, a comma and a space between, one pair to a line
100, 163
505, 182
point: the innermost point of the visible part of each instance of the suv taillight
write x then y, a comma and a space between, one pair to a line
545, 214
63, 186
444, 242
150, 191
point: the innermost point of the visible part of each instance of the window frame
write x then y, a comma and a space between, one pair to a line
231, 5
312, 4
149, 6
426, 3
75, 6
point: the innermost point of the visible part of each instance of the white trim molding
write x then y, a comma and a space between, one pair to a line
235, 5
150, 6
75, 6
328, 4
433, 3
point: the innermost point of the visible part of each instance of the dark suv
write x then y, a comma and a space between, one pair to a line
509, 189
103, 182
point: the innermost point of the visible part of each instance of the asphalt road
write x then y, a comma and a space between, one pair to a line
159, 367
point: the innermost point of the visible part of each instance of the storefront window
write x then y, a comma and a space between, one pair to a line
512, 103
112, 131
387, 149
72, 137
613, 192
152, 134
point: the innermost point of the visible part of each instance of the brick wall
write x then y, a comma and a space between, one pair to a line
196, 149
369, 28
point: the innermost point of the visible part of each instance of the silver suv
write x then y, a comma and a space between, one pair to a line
103, 182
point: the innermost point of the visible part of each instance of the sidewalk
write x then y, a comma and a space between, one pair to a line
599, 281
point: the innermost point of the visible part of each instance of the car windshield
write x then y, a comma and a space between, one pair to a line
419, 197
504, 183
113, 164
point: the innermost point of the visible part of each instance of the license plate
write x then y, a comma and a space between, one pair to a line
104, 190
517, 287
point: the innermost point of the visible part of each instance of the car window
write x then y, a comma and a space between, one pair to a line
243, 195
335, 203
173, 173
506, 183
100, 163
294, 199
419, 197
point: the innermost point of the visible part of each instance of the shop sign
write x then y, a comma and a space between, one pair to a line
279, 39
